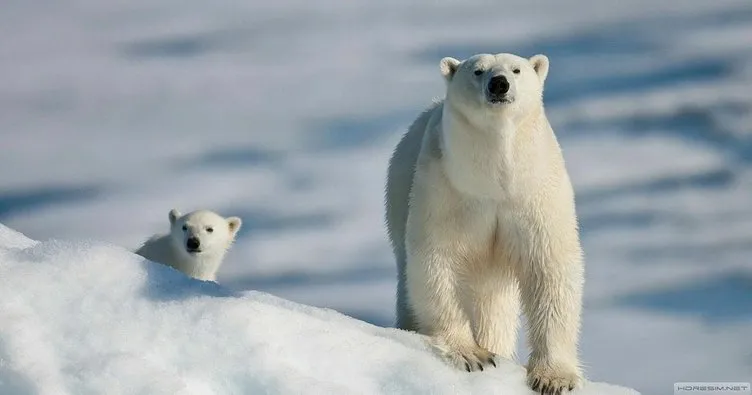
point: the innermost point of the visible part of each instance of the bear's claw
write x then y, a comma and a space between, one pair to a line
549, 381
472, 360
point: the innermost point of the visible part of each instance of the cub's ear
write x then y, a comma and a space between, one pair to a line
448, 67
540, 65
234, 224
174, 215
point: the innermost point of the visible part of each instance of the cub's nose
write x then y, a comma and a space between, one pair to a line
498, 85
192, 243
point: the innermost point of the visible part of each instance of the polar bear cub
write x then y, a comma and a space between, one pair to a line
196, 244
480, 213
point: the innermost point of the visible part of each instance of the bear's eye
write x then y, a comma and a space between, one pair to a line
516, 71
210, 229
478, 72
185, 228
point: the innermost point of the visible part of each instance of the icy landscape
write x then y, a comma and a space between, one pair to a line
118, 324
284, 113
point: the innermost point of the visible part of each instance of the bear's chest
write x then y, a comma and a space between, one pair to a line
486, 231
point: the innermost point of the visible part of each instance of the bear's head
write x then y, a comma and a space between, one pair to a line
202, 232
494, 84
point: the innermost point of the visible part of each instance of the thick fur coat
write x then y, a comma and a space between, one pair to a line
196, 244
481, 216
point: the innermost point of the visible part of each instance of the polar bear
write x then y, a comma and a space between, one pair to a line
480, 213
196, 244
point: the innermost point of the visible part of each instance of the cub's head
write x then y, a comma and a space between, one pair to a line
500, 83
202, 232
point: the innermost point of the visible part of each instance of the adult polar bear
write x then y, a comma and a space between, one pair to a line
480, 211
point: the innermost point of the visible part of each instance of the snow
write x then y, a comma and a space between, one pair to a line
285, 113
82, 317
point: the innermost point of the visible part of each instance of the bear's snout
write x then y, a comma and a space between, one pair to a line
192, 244
498, 86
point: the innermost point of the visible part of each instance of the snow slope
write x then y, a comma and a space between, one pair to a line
87, 318
285, 113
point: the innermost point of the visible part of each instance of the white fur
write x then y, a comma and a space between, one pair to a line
170, 249
481, 216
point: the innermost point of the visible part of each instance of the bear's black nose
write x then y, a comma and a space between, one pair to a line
192, 243
498, 85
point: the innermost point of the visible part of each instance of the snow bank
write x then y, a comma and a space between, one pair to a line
87, 318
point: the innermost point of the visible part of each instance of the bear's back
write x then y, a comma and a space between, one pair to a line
158, 248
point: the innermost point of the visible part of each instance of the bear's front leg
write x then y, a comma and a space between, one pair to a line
446, 237
552, 299
435, 301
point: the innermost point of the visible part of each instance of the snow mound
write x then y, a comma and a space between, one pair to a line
88, 318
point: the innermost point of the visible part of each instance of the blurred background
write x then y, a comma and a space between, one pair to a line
284, 113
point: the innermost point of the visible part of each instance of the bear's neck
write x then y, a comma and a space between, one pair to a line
483, 157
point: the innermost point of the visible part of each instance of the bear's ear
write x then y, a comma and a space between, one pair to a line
234, 224
448, 67
174, 215
540, 65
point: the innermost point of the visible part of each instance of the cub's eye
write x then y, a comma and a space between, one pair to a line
185, 228
478, 72
516, 71
210, 230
